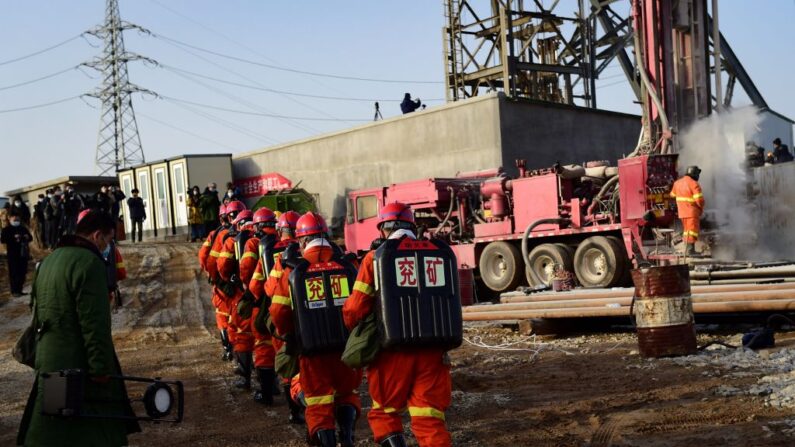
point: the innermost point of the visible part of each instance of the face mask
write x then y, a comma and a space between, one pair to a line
49, 196
57, 193
17, 203
15, 223
106, 252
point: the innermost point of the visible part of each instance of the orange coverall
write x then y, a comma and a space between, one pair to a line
414, 379
325, 380
228, 265
219, 301
689, 205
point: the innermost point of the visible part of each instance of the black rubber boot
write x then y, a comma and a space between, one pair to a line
224, 346
238, 371
246, 361
346, 421
690, 249
265, 376
394, 440
296, 410
326, 438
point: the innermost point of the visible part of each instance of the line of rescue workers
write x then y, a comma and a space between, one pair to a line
289, 302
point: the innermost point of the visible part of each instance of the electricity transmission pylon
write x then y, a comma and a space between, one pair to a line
118, 141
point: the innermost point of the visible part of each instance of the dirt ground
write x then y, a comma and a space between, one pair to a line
575, 390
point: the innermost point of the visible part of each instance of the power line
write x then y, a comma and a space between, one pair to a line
171, 126
7, 87
227, 124
283, 92
291, 70
244, 112
38, 106
36, 53
301, 126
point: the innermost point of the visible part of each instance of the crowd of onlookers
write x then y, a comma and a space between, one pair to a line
203, 208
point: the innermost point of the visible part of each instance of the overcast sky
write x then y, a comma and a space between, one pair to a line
383, 40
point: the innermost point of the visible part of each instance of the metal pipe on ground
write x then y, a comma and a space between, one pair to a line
592, 312
518, 297
763, 272
747, 281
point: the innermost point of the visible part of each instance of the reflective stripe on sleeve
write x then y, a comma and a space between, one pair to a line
263, 342
258, 276
686, 199
226, 254
426, 411
214, 253
363, 287
283, 300
698, 196
320, 400
276, 273
206, 244
119, 265
249, 254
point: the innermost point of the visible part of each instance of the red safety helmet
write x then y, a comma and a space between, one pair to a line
235, 206
83, 214
395, 211
222, 210
264, 215
244, 215
309, 224
288, 220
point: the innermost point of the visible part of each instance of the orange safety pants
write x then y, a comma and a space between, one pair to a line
327, 383
416, 379
244, 338
221, 311
691, 227
264, 355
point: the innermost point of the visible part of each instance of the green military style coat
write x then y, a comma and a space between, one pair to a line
71, 299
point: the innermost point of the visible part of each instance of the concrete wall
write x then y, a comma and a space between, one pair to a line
435, 142
775, 205
544, 134
479, 133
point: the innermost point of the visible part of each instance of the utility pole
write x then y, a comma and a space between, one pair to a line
118, 141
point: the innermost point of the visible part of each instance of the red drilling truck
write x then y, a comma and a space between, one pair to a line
596, 221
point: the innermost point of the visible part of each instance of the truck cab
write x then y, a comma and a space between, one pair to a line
362, 208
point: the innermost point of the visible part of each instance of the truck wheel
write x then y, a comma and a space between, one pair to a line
500, 266
542, 260
599, 262
626, 277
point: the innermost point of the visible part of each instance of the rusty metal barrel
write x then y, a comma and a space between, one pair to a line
663, 311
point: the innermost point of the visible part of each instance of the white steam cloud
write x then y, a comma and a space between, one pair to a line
717, 145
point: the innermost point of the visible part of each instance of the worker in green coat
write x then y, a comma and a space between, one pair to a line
70, 296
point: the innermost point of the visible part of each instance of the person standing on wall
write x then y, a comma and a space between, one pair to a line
690, 206
137, 214
16, 238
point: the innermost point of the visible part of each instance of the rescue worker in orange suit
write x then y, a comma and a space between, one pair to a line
116, 269
221, 312
264, 355
329, 385
230, 272
264, 283
415, 378
220, 301
689, 205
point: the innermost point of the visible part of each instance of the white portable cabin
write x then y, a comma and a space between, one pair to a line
164, 186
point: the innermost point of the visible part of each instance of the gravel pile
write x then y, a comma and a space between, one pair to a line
777, 369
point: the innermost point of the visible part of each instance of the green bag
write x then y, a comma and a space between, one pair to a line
286, 364
24, 350
363, 343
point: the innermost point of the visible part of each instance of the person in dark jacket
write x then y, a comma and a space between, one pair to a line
70, 298
53, 216
38, 212
195, 218
72, 205
781, 153
17, 238
137, 214
208, 206
19, 208
117, 198
102, 200
408, 106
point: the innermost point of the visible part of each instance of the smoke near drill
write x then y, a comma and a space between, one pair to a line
717, 145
